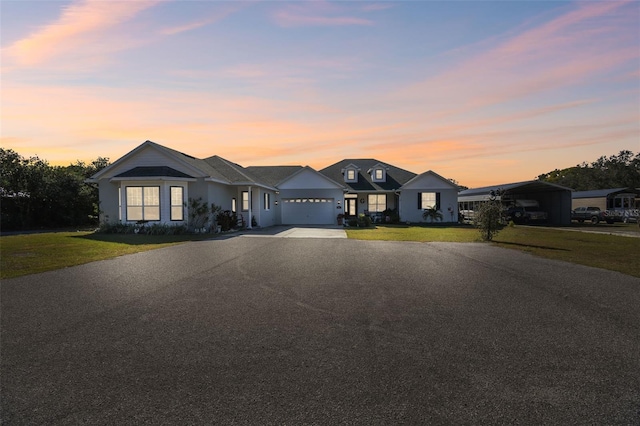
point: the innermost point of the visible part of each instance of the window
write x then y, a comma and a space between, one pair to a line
350, 175
143, 202
177, 200
377, 202
234, 205
378, 175
428, 200
245, 200
267, 201
119, 203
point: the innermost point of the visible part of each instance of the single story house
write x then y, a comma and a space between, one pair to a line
153, 183
553, 199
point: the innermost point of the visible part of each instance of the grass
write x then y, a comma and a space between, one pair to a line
33, 253
613, 252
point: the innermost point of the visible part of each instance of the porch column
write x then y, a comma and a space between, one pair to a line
250, 201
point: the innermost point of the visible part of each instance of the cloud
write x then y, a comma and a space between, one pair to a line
317, 13
567, 51
227, 9
76, 28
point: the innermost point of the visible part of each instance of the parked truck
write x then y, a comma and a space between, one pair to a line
525, 211
591, 214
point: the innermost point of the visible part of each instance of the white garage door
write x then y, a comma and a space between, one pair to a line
308, 211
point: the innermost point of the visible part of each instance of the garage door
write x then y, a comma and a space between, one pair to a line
308, 211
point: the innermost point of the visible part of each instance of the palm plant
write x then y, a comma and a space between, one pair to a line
432, 214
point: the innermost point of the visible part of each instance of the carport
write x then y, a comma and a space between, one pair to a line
553, 199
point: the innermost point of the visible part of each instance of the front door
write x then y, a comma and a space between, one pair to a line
351, 206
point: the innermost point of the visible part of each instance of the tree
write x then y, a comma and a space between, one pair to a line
487, 219
37, 195
616, 171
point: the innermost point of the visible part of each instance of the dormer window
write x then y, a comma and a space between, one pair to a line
378, 173
350, 173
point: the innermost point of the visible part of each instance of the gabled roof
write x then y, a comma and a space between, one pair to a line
273, 175
432, 173
321, 175
531, 185
153, 171
596, 193
396, 177
189, 161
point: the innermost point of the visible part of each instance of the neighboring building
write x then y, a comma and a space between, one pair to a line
373, 187
553, 199
152, 183
624, 202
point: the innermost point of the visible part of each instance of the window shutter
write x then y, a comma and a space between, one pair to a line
437, 201
419, 200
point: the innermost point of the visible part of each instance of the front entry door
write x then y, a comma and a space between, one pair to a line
351, 206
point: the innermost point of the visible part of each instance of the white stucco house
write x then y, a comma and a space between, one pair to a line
152, 183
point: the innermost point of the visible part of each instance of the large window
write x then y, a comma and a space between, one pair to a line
143, 203
245, 201
427, 200
177, 201
377, 203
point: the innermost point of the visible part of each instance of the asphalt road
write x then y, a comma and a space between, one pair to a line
321, 332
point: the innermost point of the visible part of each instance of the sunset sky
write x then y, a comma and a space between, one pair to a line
481, 92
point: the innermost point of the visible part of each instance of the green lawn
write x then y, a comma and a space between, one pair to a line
613, 252
33, 253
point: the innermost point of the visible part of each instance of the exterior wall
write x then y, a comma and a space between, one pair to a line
409, 211
600, 202
108, 196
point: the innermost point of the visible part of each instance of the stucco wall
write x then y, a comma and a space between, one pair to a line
409, 211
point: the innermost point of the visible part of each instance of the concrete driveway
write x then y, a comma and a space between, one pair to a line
315, 331
297, 231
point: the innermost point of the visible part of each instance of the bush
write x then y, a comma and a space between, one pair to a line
391, 216
488, 218
364, 221
227, 220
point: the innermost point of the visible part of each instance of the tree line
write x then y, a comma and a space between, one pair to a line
616, 171
37, 195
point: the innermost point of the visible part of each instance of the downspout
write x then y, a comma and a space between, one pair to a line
250, 202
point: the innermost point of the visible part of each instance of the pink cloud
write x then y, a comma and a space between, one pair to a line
316, 13
226, 10
569, 50
74, 29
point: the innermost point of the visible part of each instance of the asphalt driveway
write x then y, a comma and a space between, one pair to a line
321, 331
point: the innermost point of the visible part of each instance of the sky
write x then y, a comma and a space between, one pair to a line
482, 92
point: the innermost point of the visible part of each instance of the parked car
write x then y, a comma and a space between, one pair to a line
525, 211
591, 214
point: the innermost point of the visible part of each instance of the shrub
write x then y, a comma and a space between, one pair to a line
391, 216
488, 219
227, 220
364, 221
